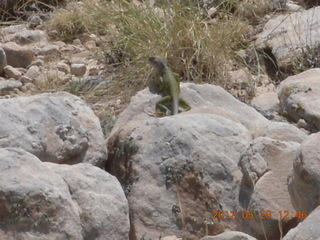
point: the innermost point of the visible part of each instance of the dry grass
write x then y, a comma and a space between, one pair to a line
198, 48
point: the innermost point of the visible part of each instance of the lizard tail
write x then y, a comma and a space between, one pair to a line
175, 106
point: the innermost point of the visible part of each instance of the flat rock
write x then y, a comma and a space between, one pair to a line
57, 127
26, 36
8, 85
288, 36
53, 201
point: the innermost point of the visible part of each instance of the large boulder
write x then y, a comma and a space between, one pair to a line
177, 169
50, 201
56, 127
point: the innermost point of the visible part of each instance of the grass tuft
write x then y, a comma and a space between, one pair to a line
198, 48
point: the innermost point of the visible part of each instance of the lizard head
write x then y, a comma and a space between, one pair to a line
158, 63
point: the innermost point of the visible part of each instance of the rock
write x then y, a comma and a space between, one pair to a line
56, 127
287, 46
264, 192
38, 63
3, 61
26, 80
12, 29
94, 71
50, 51
29, 87
78, 69
26, 36
291, 6
90, 45
189, 161
284, 132
12, 72
104, 207
308, 229
9, 85
241, 78
299, 99
63, 67
232, 235
267, 104
212, 12
17, 56
171, 238
55, 201
76, 42
33, 72
304, 182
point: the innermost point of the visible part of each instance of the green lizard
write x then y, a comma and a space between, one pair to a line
170, 86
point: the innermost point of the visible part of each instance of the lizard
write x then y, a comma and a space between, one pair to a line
170, 86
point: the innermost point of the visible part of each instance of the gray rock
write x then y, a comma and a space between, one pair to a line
308, 229
299, 98
29, 87
26, 36
78, 69
284, 132
9, 85
267, 104
264, 192
3, 61
191, 159
12, 72
40, 203
104, 207
305, 180
50, 51
232, 235
63, 67
17, 56
289, 36
33, 72
56, 127
38, 63
55, 201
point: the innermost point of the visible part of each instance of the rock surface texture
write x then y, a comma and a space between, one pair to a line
57, 127
50, 201
208, 173
192, 164
291, 37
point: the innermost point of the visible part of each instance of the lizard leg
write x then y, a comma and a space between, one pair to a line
183, 106
164, 105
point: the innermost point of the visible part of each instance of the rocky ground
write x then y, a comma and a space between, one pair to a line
223, 170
